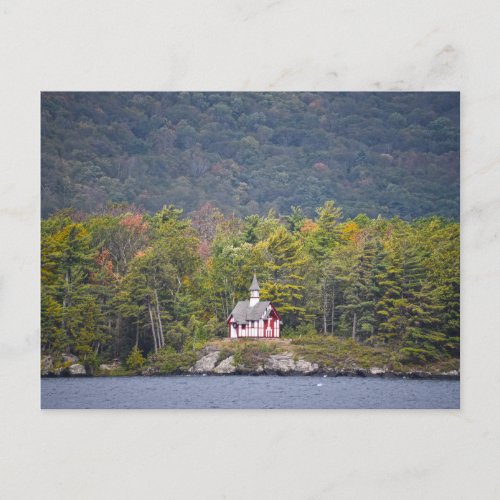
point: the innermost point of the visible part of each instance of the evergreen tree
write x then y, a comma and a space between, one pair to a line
296, 219
281, 260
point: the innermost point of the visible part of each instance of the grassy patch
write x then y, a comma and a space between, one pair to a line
225, 352
342, 353
249, 353
334, 352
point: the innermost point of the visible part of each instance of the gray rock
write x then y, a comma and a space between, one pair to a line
46, 365
114, 365
226, 366
303, 366
76, 369
376, 371
150, 371
206, 364
284, 363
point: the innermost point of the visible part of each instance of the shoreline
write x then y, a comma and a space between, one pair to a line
283, 357
413, 375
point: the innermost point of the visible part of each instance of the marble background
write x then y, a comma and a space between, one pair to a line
249, 45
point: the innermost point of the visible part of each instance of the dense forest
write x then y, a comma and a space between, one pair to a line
159, 207
393, 154
124, 283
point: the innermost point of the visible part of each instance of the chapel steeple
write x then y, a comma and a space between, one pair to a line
254, 291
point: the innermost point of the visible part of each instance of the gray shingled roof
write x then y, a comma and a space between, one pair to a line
255, 284
243, 313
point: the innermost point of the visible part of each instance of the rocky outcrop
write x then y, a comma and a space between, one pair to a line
69, 359
305, 367
150, 371
285, 364
452, 375
281, 364
206, 364
226, 366
109, 367
76, 370
46, 365
66, 365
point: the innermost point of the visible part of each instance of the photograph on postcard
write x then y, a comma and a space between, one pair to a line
250, 250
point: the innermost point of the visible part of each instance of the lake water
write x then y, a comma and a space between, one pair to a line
248, 392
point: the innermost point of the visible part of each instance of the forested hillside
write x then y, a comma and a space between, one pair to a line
124, 283
394, 154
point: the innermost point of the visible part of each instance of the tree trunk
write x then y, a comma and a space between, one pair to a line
117, 343
63, 318
325, 307
65, 303
160, 333
355, 317
333, 310
224, 303
153, 327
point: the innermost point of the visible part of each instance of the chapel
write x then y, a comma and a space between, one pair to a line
254, 318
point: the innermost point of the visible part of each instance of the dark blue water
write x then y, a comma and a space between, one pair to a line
248, 392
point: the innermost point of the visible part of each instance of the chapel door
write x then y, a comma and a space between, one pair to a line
269, 331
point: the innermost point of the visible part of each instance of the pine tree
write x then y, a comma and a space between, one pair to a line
357, 311
66, 266
281, 260
296, 219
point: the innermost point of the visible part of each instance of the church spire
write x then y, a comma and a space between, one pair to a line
254, 291
255, 284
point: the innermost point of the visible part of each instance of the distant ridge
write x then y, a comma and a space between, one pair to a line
388, 153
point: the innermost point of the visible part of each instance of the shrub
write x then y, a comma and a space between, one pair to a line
135, 360
170, 361
268, 347
417, 355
